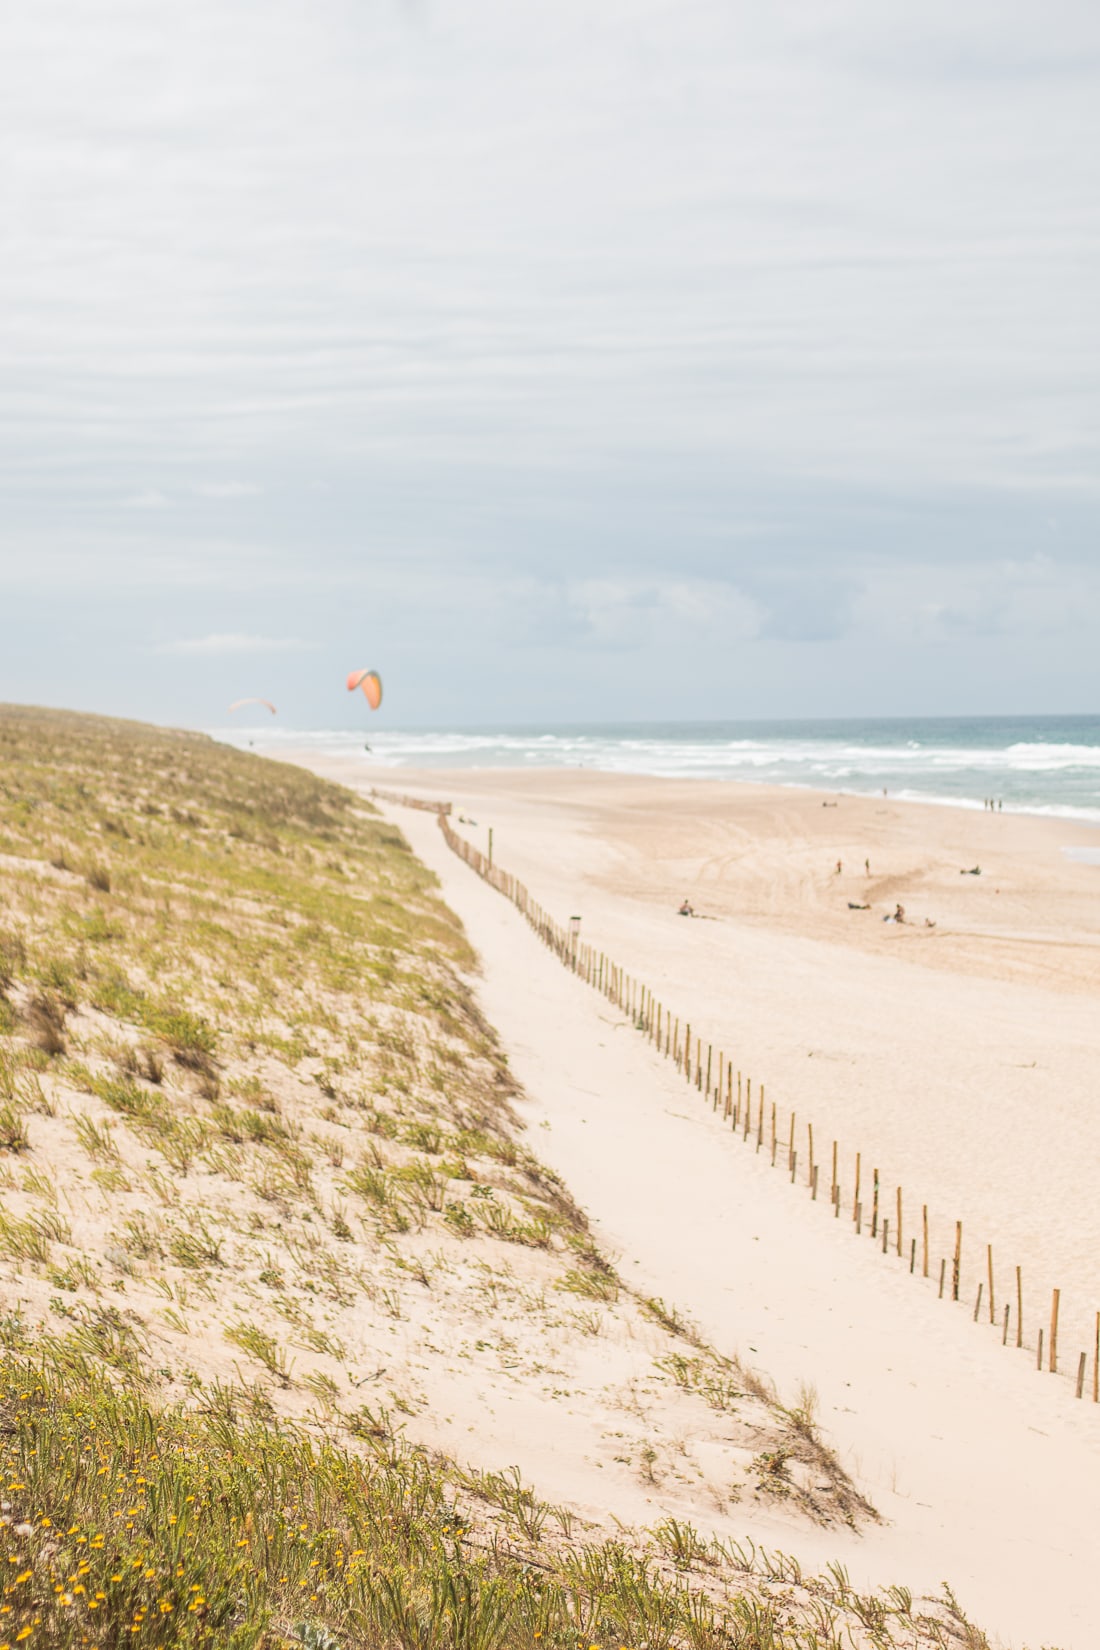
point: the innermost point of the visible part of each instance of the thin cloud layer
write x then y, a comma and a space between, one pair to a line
227, 646
542, 349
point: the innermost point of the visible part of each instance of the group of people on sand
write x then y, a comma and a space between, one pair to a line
896, 915
994, 806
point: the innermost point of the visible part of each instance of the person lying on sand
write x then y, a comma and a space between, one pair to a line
853, 906
974, 871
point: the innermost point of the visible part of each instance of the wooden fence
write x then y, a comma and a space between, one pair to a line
756, 1120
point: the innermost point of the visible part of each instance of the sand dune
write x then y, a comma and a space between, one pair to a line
956, 1058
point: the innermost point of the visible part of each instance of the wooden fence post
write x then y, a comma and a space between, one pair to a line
899, 1220
1055, 1300
957, 1266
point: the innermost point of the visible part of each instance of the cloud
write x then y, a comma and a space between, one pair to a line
804, 606
625, 612
227, 489
151, 499
228, 644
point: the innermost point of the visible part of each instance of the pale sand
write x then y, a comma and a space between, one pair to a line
957, 1059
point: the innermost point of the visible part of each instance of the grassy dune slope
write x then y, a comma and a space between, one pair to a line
272, 1254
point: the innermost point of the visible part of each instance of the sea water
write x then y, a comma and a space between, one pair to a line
1030, 764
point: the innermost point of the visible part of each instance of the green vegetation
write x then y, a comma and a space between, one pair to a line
265, 1221
213, 1525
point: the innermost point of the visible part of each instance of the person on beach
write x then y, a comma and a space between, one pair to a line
839, 867
685, 909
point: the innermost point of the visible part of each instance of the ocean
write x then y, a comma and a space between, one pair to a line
1030, 764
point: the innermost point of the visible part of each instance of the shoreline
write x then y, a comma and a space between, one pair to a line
277, 741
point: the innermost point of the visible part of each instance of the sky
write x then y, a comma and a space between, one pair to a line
560, 362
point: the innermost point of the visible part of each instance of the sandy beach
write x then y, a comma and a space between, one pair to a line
956, 1058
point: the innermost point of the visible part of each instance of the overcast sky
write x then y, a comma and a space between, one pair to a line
559, 361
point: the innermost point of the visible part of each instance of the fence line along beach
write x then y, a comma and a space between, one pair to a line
934, 1079
711, 1073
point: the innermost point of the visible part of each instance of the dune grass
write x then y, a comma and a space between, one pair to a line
214, 1524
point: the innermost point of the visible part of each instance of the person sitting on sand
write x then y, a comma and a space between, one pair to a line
685, 909
899, 913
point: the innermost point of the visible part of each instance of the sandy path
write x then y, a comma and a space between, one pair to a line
986, 1473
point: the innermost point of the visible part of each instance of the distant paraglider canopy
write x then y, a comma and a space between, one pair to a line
370, 682
239, 703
